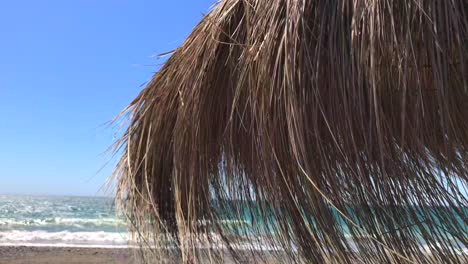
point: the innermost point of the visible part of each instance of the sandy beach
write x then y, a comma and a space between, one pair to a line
56, 255
78, 255
60, 255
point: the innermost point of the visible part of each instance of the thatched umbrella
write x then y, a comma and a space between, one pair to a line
331, 130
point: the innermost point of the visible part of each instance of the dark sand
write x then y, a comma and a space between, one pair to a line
63, 255
56, 255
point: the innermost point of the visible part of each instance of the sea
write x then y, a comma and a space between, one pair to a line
70, 221
60, 221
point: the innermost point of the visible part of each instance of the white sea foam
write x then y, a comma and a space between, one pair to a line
117, 240
64, 238
64, 245
63, 221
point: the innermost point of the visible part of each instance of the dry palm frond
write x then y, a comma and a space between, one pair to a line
331, 130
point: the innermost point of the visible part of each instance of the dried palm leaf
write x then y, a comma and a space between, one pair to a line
331, 130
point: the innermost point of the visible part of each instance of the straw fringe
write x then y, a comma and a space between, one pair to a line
308, 117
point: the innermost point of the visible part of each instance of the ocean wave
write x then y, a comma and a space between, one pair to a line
64, 238
121, 240
60, 223
61, 220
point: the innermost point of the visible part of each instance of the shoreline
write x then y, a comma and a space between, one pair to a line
21, 254
70, 255
87, 255
64, 245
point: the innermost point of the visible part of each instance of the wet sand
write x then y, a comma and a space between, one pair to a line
56, 255
60, 255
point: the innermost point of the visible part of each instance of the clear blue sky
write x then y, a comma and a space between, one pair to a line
67, 67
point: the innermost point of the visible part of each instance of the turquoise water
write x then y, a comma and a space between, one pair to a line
424, 222
92, 221
56, 220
